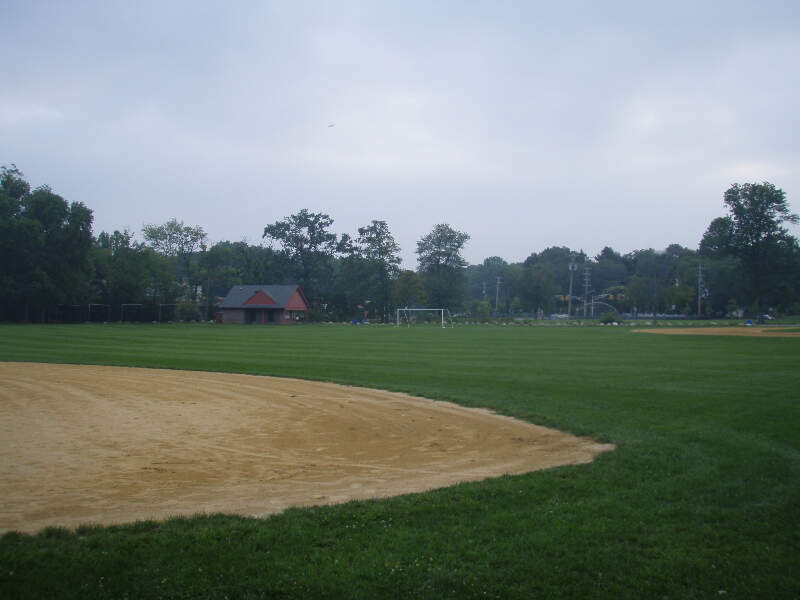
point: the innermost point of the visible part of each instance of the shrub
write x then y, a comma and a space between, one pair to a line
483, 309
188, 311
610, 317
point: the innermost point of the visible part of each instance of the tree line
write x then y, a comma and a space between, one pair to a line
54, 268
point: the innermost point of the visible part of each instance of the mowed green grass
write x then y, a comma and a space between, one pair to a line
700, 499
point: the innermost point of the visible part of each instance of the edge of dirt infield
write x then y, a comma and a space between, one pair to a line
87, 444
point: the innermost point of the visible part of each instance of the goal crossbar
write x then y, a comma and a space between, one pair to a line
404, 312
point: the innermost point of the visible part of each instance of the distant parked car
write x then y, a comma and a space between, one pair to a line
768, 317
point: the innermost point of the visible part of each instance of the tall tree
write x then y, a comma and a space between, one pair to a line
376, 243
753, 232
559, 258
381, 262
538, 287
409, 291
485, 276
15, 260
174, 238
309, 246
45, 247
646, 293
608, 270
442, 266
127, 271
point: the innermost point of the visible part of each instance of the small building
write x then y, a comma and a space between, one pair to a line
279, 304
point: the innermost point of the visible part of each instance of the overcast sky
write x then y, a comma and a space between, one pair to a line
523, 124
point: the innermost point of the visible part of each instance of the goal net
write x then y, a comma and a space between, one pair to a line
411, 316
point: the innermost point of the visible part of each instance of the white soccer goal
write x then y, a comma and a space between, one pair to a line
410, 315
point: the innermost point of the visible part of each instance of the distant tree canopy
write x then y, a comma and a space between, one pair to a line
173, 238
126, 271
45, 245
409, 291
442, 267
308, 246
370, 267
50, 263
754, 234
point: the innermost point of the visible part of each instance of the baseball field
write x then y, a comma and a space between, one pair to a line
693, 490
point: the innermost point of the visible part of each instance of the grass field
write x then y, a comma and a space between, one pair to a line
701, 498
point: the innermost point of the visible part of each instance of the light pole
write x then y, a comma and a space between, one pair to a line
572, 268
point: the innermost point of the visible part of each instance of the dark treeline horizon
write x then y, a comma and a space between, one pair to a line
54, 268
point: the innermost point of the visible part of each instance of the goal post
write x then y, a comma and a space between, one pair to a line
160, 306
409, 314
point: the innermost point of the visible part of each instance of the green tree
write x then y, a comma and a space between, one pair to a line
15, 260
409, 291
753, 232
223, 267
379, 254
120, 268
608, 271
559, 259
718, 238
645, 293
482, 310
722, 281
309, 247
442, 267
45, 244
175, 239
484, 276
126, 271
538, 288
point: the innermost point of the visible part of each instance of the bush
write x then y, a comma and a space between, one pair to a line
483, 310
610, 317
188, 311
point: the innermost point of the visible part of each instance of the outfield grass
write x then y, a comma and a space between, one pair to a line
701, 498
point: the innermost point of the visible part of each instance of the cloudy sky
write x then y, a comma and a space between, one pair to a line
524, 124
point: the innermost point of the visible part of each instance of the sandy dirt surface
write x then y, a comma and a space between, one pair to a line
92, 444
742, 331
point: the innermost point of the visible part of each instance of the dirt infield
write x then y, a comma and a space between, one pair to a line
742, 331
91, 444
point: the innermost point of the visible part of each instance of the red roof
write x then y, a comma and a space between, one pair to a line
297, 302
260, 298
288, 297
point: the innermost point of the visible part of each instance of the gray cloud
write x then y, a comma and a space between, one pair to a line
525, 125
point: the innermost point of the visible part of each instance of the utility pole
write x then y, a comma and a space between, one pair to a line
572, 268
497, 295
699, 285
586, 279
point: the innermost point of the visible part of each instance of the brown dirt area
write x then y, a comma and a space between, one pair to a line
742, 331
103, 445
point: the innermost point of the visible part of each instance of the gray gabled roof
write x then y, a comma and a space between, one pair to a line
239, 294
